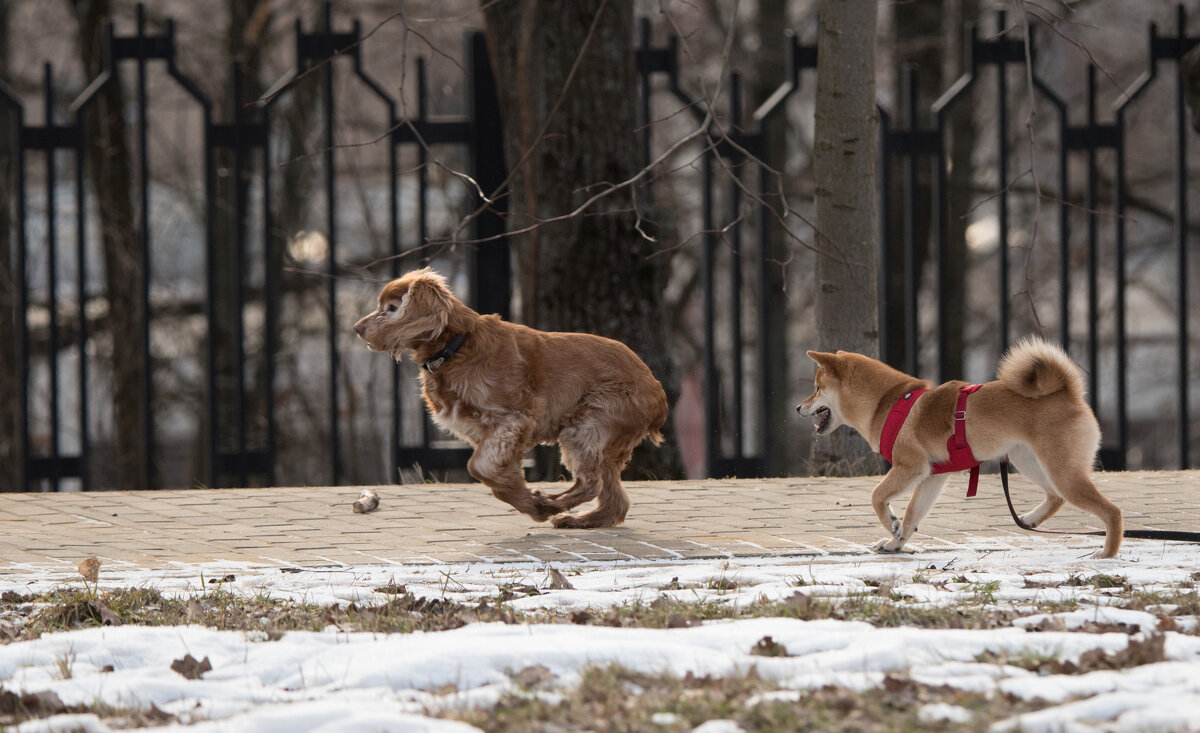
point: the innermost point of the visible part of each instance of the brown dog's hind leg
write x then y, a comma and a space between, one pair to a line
610, 510
598, 475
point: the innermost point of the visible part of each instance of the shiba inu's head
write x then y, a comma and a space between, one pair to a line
822, 404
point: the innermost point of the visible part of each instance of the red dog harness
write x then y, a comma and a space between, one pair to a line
961, 458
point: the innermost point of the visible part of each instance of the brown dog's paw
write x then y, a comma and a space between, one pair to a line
544, 507
570, 521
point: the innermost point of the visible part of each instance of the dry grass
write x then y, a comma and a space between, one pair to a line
612, 698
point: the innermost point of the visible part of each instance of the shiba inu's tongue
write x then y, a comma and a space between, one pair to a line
821, 418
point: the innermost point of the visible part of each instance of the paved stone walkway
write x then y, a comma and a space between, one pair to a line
455, 523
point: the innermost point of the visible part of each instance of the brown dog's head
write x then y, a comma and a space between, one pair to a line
412, 310
822, 404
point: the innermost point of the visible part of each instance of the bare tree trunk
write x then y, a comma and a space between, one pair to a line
595, 272
844, 170
10, 430
108, 159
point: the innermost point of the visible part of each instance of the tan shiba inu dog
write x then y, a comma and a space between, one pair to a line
1034, 413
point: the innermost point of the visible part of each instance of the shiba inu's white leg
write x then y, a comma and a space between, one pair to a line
921, 502
1028, 464
896, 481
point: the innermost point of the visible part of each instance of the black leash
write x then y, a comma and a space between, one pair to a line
1139, 534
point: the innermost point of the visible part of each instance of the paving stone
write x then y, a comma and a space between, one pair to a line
447, 523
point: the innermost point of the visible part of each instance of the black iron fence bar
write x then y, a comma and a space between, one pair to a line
22, 294
271, 292
393, 219
735, 275
48, 138
939, 222
884, 256
240, 136
1184, 44
77, 109
323, 47
1064, 219
1173, 48
239, 284
84, 469
910, 144
999, 53
52, 271
142, 50
1002, 185
492, 278
423, 194
732, 147
480, 131
799, 57
912, 275
711, 382
1119, 265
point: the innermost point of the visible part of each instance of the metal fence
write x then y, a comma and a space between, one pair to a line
733, 407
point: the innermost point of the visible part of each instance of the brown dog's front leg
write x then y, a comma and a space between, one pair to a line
498, 466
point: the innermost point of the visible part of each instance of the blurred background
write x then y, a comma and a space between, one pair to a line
199, 200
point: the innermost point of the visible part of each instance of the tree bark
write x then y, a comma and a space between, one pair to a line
594, 272
844, 169
109, 163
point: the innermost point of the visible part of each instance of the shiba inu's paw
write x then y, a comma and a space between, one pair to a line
897, 527
1028, 520
888, 544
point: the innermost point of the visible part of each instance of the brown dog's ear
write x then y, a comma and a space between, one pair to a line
428, 298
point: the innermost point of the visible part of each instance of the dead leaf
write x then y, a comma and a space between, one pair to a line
193, 610
104, 614
558, 581
90, 569
534, 677
768, 647
189, 668
40, 703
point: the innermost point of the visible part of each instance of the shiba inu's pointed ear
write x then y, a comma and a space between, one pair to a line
823, 358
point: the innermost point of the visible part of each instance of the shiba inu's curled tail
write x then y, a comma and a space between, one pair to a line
1036, 368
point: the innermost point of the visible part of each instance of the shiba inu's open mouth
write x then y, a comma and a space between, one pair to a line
821, 417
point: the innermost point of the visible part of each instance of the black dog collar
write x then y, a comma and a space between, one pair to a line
451, 349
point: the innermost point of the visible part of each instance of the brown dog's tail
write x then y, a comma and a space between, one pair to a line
1036, 368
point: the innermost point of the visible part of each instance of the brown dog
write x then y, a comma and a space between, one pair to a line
1034, 413
505, 388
